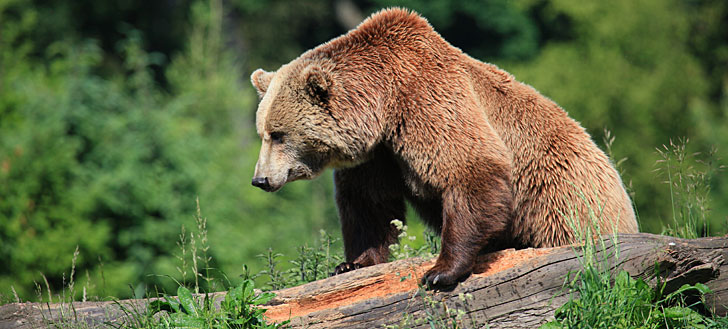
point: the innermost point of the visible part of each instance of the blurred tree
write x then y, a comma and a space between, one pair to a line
108, 22
629, 67
483, 29
112, 163
273, 32
89, 162
115, 116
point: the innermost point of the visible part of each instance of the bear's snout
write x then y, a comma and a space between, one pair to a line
261, 182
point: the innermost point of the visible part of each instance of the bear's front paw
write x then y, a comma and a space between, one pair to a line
346, 267
442, 278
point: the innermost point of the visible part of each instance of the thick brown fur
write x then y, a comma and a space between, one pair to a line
403, 115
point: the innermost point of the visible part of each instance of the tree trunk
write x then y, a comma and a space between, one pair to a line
510, 289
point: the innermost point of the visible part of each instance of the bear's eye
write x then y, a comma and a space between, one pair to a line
276, 137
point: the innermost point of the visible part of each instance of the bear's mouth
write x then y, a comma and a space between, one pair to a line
295, 174
272, 188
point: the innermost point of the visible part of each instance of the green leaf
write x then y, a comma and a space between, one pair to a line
701, 288
677, 312
248, 292
173, 304
182, 320
623, 279
186, 300
158, 306
263, 298
234, 294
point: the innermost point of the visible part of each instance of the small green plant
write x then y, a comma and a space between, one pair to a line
437, 313
240, 308
608, 140
314, 263
403, 248
688, 177
277, 278
624, 302
608, 144
311, 264
200, 247
599, 298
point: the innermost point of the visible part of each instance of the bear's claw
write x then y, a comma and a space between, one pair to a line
434, 279
346, 267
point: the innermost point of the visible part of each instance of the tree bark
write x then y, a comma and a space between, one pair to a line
510, 289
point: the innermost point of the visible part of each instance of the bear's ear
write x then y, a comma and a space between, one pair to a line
261, 79
318, 84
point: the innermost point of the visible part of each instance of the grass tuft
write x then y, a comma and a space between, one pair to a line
601, 298
688, 176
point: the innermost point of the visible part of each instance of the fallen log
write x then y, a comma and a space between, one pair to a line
510, 289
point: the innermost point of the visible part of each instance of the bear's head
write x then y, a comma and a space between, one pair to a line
308, 121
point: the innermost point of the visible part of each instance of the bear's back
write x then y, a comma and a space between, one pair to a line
562, 181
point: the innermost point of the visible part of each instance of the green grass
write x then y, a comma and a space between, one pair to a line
688, 176
599, 297
240, 308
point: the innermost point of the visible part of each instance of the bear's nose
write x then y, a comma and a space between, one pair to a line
261, 182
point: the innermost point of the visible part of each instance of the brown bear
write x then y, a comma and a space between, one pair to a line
401, 114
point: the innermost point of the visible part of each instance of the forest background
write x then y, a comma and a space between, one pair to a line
116, 116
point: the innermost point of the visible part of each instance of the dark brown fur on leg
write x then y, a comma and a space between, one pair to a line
369, 197
471, 225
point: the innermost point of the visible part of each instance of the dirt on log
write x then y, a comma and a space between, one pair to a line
510, 289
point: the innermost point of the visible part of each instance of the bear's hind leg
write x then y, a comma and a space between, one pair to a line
368, 197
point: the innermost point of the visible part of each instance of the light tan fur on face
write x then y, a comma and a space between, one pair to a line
272, 163
315, 137
264, 81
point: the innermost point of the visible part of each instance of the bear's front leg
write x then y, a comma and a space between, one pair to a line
368, 197
473, 221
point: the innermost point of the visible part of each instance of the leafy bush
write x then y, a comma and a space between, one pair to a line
240, 308
113, 162
599, 301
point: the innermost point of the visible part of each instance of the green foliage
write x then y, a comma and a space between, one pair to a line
483, 29
599, 298
689, 182
80, 169
599, 301
113, 164
277, 279
278, 31
318, 262
635, 68
406, 245
310, 264
438, 314
111, 127
240, 308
